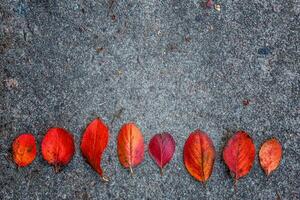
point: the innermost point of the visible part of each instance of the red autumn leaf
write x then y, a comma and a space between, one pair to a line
130, 146
161, 149
239, 154
270, 155
93, 144
58, 147
24, 149
199, 155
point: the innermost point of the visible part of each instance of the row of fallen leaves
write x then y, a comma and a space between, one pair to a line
198, 154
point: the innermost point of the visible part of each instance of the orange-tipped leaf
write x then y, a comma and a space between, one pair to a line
270, 155
199, 155
130, 146
24, 150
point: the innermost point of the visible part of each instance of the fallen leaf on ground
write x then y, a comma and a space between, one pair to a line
93, 144
199, 155
270, 155
239, 154
130, 146
24, 149
161, 149
58, 147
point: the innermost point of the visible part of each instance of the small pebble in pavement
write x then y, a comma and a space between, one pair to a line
198, 18
218, 7
264, 51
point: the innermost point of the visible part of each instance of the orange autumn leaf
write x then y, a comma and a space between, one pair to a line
199, 155
93, 144
239, 154
130, 146
24, 149
58, 147
270, 155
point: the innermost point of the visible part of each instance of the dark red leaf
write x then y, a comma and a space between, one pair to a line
162, 148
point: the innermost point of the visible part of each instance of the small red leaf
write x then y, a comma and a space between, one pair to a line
161, 149
93, 144
24, 149
239, 154
130, 146
270, 155
199, 155
58, 147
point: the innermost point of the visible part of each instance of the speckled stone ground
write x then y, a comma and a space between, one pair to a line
169, 65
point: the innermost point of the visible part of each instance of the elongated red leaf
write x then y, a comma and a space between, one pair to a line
58, 147
199, 155
239, 154
161, 149
24, 149
93, 144
130, 146
270, 155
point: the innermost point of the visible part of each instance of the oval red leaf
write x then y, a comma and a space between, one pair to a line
239, 154
199, 155
162, 148
58, 147
93, 144
270, 155
24, 149
130, 146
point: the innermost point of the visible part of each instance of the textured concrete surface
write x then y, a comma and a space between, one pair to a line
169, 65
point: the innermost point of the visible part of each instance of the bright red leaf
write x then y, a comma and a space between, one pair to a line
24, 149
161, 149
93, 144
239, 154
199, 155
130, 146
270, 155
58, 147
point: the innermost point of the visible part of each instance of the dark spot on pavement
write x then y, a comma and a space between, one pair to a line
264, 51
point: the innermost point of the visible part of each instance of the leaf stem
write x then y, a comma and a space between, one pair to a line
56, 168
105, 178
131, 171
161, 171
235, 184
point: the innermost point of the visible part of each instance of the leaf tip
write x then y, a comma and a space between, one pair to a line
131, 171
